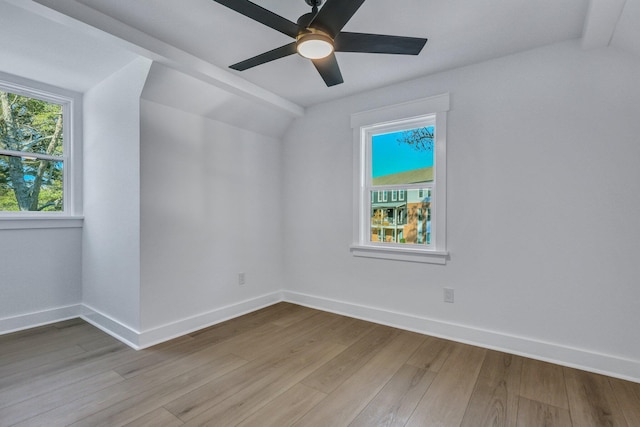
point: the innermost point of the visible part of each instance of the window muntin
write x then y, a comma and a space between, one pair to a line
34, 150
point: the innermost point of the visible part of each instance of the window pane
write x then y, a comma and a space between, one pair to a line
30, 185
404, 157
30, 125
407, 222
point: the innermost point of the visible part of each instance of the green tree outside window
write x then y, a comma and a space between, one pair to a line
31, 149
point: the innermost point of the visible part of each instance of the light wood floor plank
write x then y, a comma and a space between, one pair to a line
224, 330
255, 346
306, 368
104, 399
242, 328
153, 397
543, 382
47, 340
63, 324
445, 401
397, 400
260, 392
336, 371
350, 330
198, 401
342, 330
157, 418
628, 397
40, 404
294, 314
432, 354
59, 366
494, 401
97, 343
285, 409
151, 357
591, 400
48, 383
35, 360
535, 414
345, 403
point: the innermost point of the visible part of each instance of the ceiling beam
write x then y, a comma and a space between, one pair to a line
600, 24
96, 24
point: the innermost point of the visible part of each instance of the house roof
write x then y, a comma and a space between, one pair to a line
410, 177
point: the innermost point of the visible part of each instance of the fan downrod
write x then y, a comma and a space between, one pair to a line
314, 3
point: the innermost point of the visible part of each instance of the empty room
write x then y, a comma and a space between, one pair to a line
319, 213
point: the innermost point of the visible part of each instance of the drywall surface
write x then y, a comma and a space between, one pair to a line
211, 208
41, 273
111, 238
542, 215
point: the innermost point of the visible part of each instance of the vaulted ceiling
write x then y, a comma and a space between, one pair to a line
460, 32
202, 38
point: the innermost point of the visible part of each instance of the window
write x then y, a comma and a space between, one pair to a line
401, 150
37, 166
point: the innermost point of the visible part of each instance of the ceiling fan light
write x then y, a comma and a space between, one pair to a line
314, 45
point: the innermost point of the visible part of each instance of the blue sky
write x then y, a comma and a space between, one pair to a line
390, 156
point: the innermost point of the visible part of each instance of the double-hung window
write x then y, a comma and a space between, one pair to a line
400, 181
38, 173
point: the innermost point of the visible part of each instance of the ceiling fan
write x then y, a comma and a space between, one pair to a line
319, 34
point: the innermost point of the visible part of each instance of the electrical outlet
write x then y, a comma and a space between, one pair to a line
241, 279
448, 295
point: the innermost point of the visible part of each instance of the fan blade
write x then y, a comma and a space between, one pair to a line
329, 70
262, 15
335, 14
378, 43
263, 58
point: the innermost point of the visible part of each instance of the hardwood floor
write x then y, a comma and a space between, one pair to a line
288, 365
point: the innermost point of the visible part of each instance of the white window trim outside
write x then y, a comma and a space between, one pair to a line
388, 117
71, 102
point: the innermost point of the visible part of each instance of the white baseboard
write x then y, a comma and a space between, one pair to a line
38, 318
147, 338
605, 364
187, 325
111, 326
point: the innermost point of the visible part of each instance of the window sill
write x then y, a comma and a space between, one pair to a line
398, 254
33, 222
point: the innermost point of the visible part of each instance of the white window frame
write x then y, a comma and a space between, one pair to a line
71, 102
387, 119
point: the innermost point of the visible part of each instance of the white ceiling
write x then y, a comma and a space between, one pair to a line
627, 32
83, 41
40, 49
460, 32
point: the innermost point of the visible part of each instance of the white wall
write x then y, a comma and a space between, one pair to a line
40, 276
543, 209
211, 207
111, 237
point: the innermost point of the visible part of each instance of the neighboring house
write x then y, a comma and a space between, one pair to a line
402, 216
